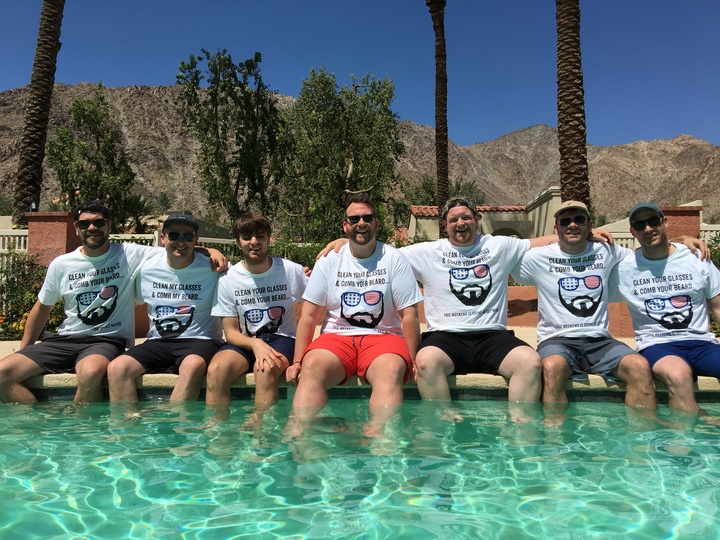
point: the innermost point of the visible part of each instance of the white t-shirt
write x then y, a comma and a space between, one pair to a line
97, 291
263, 303
572, 289
363, 296
179, 301
667, 298
466, 287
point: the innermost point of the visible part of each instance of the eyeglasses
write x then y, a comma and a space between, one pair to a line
175, 236
579, 220
257, 315
354, 220
481, 270
676, 302
640, 224
572, 283
85, 223
353, 299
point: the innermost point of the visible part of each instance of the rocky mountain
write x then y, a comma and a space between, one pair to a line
512, 169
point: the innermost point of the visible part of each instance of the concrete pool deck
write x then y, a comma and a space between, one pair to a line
464, 387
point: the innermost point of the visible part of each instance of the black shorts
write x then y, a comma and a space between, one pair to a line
60, 354
166, 355
474, 352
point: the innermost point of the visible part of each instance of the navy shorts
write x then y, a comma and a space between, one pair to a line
166, 355
599, 355
60, 354
282, 344
474, 352
702, 356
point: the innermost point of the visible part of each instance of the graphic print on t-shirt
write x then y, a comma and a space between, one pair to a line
96, 307
581, 296
263, 321
471, 285
362, 309
673, 313
172, 321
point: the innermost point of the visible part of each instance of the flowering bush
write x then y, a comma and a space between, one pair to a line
21, 277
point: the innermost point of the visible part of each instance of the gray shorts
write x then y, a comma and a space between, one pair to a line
60, 354
598, 355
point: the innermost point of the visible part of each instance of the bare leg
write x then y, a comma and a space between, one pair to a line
191, 373
321, 370
555, 371
385, 375
91, 371
225, 367
14, 370
523, 367
266, 392
677, 375
122, 374
433, 368
639, 389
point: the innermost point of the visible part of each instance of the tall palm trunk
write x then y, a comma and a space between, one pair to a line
437, 12
37, 111
574, 182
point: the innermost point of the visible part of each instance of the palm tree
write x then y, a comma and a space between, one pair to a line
37, 111
574, 182
437, 12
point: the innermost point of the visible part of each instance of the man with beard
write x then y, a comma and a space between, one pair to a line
573, 337
255, 302
179, 290
371, 328
669, 291
95, 283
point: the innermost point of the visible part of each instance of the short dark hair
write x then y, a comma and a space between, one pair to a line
95, 207
454, 202
251, 223
359, 198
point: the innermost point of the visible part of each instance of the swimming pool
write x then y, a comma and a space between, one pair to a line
82, 472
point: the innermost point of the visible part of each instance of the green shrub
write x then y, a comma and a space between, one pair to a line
21, 277
302, 253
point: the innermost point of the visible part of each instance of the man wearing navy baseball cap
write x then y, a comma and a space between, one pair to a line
670, 293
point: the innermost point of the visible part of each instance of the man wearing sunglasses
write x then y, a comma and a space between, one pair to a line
255, 302
179, 288
369, 298
572, 278
670, 294
96, 284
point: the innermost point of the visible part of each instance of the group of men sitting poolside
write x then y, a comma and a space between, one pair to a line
210, 321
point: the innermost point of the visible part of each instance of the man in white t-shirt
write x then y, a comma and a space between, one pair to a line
179, 288
255, 302
572, 280
369, 296
669, 292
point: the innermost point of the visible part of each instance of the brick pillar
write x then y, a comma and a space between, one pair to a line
682, 220
50, 234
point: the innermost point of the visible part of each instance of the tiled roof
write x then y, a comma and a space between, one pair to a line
432, 211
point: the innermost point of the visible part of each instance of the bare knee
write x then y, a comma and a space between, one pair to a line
124, 367
635, 369
429, 363
193, 366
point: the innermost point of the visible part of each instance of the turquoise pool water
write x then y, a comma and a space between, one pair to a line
70, 472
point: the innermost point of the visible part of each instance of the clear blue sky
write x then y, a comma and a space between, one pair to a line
652, 67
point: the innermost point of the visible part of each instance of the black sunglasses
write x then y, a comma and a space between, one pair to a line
640, 224
85, 223
175, 236
579, 220
354, 220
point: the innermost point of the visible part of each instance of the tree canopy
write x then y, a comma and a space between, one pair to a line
234, 117
339, 140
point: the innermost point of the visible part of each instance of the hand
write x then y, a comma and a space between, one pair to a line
601, 235
218, 261
265, 356
292, 374
335, 246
